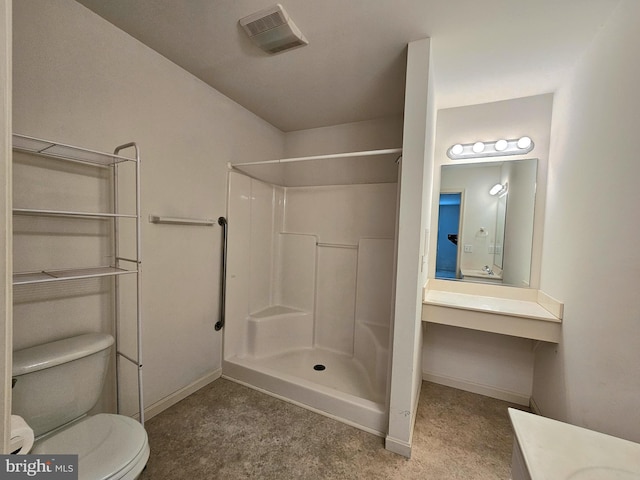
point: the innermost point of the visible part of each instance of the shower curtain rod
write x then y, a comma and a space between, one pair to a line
386, 151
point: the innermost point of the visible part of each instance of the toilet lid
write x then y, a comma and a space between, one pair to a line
106, 444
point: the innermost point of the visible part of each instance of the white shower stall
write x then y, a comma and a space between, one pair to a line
310, 269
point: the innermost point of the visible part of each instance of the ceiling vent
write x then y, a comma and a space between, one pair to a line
272, 30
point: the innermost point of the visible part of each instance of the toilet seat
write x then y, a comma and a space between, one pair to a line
109, 447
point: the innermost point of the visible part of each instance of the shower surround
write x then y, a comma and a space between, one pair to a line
309, 295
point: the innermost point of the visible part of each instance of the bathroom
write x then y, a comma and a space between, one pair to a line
586, 243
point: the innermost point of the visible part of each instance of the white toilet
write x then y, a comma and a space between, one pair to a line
57, 384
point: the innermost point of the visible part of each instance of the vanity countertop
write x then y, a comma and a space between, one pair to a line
560, 451
519, 312
483, 303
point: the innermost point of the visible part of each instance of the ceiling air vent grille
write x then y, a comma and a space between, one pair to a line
265, 23
273, 30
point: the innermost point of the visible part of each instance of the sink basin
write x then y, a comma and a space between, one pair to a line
560, 451
480, 274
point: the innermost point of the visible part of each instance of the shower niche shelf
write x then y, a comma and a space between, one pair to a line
117, 233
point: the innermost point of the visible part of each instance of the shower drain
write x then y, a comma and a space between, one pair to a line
319, 367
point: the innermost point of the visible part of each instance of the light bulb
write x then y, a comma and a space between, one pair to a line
501, 145
524, 143
478, 147
457, 149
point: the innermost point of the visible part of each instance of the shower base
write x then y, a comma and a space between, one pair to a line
340, 390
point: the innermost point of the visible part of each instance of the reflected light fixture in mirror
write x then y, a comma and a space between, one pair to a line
516, 146
499, 189
495, 189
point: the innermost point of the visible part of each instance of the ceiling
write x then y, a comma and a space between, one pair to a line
354, 66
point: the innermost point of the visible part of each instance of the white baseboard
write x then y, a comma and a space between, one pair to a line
534, 407
398, 446
170, 400
486, 390
401, 447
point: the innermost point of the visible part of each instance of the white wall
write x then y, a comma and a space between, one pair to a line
496, 365
80, 80
490, 121
342, 214
261, 229
374, 134
519, 228
591, 261
413, 218
5, 221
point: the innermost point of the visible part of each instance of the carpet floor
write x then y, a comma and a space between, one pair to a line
229, 431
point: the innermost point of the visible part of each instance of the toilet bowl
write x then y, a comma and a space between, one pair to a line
108, 446
56, 385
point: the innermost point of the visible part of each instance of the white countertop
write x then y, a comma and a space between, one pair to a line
554, 450
520, 312
502, 306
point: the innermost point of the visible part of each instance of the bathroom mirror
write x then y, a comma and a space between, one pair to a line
485, 222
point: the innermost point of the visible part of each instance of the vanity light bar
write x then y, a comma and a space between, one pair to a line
517, 146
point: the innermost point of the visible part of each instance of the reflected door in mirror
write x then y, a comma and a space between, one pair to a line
448, 230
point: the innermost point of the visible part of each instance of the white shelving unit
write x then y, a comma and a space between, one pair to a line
120, 265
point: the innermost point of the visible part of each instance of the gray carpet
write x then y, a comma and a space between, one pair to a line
229, 431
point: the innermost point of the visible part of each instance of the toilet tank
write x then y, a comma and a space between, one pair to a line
60, 381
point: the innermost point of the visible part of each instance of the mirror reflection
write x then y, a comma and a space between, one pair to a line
485, 222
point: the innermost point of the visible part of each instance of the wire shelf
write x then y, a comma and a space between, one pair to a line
44, 276
64, 213
61, 151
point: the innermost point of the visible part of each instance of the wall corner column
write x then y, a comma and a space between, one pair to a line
416, 166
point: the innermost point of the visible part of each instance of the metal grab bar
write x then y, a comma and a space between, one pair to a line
181, 221
223, 276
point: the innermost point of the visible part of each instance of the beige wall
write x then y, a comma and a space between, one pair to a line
591, 260
80, 80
